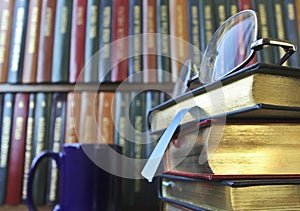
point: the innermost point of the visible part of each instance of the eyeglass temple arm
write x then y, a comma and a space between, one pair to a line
288, 47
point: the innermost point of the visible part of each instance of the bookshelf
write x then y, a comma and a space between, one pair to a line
95, 26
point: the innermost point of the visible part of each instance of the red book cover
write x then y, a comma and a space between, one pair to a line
46, 38
120, 29
32, 40
6, 17
17, 150
77, 39
149, 41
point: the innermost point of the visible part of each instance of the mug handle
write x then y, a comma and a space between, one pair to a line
34, 165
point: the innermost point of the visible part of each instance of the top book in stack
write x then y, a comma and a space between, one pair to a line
259, 91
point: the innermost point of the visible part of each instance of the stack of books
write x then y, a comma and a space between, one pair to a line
249, 162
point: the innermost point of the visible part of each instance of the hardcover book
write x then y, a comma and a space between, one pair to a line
262, 85
261, 194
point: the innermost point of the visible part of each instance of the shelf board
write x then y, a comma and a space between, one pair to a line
90, 87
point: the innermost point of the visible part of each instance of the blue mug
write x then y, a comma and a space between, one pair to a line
82, 184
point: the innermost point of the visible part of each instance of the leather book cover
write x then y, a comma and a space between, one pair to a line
55, 143
17, 150
149, 42
92, 41
31, 41
45, 46
135, 43
17, 45
72, 117
6, 18
29, 143
105, 39
61, 45
77, 48
40, 143
7, 118
120, 27
178, 29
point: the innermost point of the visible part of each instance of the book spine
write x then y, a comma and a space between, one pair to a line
220, 14
29, 144
56, 140
105, 39
6, 122
179, 30
92, 41
40, 143
72, 117
149, 42
17, 46
135, 41
106, 118
245, 4
163, 45
46, 39
291, 23
77, 48
120, 29
17, 150
88, 118
6, 11
207, 22
231, 8
194, 31
31, 41
61, 46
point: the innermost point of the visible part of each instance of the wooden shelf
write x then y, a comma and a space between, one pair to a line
104, 87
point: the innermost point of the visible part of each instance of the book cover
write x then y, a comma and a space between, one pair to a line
17, 45
55, 142
6, 122
106, 125
17, 150
72, 117
120, 27
78, 36
248, 95
149, 41
32, 41
262, 194
163, 41
40, 143
46, 39
29, 144
6, 11
105, 40
61, 45
92, 46
179, 30
135, 41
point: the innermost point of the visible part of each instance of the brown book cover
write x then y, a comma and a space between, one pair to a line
46, 36
77, 48
179, 41
120, 30
6, 12
106, 118
149, 41
88, 117
72, 117
31, 43
17, 150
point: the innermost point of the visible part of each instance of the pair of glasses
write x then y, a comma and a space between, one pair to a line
232, 47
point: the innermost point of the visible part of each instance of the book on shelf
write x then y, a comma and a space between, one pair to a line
32, 41
17, 149
6, 11
227, 194
260, 85
169, 206
46, 39
211, 149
